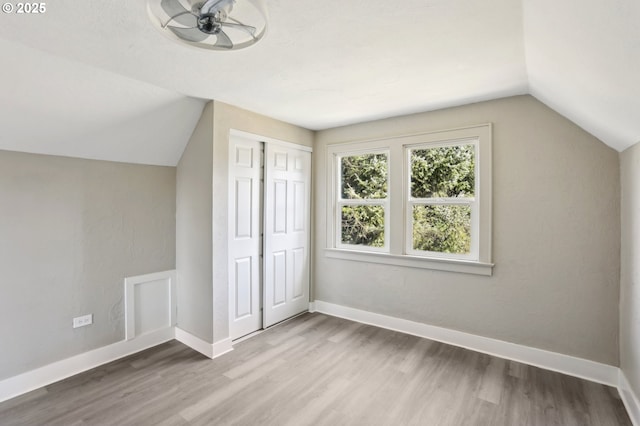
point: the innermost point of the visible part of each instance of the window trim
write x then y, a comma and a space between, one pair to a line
397, 223
431, 263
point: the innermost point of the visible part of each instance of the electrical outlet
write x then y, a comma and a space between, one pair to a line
82, 321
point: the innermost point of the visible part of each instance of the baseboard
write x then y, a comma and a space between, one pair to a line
210, 350
630, 399
222, 347
573, 366
312, 307
195, 343
51, 373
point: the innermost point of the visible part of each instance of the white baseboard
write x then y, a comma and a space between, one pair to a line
51, 373
573, 366
222, 347
630, 399
312, 307
210, 350
195, 343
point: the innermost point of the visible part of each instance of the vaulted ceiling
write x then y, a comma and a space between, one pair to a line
95, 79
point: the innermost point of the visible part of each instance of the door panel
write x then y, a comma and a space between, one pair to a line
279, 276
299, 272
286, 244
299, 209
245, 212
280, 206
244, 208
243, 288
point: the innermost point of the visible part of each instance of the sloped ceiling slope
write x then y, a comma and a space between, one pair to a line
322, 64
54, 106
583, 60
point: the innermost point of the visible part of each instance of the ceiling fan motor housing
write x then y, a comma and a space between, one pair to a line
211, 24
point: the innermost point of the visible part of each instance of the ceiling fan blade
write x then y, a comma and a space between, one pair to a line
212, 6
223, 41
177, 12
189, 34
231, 18
251, 30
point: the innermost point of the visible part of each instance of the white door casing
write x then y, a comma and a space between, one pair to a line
245, 230
286, 232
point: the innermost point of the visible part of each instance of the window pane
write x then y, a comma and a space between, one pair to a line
442, 228
446, 171
364, 176
363, 225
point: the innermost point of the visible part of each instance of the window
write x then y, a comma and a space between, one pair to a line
363, 203
441, 205
420, 200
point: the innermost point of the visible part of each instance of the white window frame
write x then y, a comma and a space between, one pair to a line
472, 202
341, 202
398, 219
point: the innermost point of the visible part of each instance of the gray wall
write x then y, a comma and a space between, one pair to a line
71, 230
630, 267
228, 117
556, 237
193, 230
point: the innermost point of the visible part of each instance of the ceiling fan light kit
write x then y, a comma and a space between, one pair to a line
211, 24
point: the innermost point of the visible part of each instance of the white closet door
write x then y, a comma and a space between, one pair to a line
245, 221
286, 232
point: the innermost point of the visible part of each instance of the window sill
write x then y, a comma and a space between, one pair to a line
449, 265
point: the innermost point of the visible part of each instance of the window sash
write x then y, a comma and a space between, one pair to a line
338, 169
472, 202
361, 247
474, 248
342, 202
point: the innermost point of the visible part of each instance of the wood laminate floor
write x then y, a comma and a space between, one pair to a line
319, 370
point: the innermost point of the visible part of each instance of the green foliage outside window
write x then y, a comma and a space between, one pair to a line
439, 172
442, 228
446, 171
363, 225
442, 172
363, 177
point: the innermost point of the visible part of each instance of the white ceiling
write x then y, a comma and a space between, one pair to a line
95, 79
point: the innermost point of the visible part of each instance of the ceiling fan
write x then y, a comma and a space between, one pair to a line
214, 24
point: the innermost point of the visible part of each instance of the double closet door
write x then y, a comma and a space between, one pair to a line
269, 235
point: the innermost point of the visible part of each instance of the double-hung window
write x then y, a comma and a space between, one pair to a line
363, 203
419, 200
442, 212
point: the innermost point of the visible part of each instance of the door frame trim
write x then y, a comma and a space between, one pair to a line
266, 139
